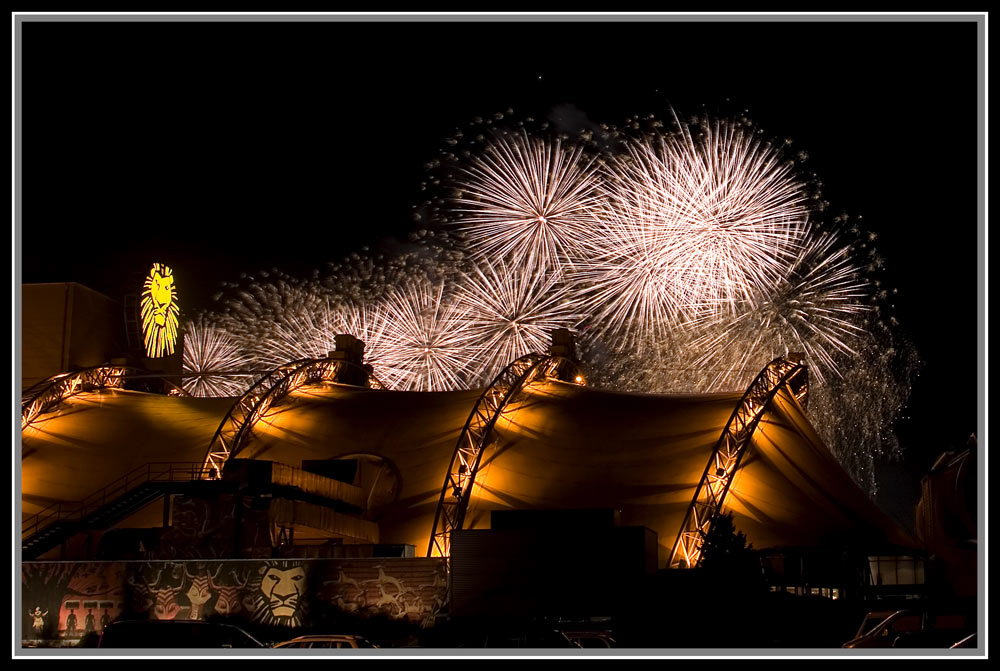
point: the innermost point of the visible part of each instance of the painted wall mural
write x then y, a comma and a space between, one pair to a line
64, 601
70, 600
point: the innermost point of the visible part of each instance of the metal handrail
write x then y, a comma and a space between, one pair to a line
77, 511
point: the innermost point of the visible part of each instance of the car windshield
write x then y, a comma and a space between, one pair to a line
871, 621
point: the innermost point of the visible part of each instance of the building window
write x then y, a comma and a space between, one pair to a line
892, 570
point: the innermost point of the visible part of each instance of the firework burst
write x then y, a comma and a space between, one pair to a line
816, 307
283, 321
632, 290
691, 223
207, 350
512, 311
527, 199
687, 257
430, 347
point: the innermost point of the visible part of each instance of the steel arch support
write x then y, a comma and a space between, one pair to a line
728, 453
478, 435
50, 392
267, 391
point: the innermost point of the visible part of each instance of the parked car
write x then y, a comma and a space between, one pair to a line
967, 642
327, 641
910, 629
591, 639
870, 621
175, 634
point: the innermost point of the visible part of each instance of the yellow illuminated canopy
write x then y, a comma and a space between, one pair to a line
159, 312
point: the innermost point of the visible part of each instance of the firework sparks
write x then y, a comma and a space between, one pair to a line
691, 223
813, 308
284, 321
512, 311
430, 345
855, 412
688, 257
527, 199
632, 290
209, 349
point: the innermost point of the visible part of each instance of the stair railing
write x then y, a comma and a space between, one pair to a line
77, 511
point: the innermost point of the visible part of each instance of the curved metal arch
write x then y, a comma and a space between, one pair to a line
264, 393
52, 391
729, 450
478, 435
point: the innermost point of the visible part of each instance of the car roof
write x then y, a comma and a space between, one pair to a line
324, 637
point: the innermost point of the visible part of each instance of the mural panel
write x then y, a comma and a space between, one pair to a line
65, 601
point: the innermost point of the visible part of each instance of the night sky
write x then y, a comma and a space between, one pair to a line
228, 148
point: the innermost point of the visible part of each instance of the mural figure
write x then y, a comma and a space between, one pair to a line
89, 622
161, 591
229, 595
278, 594
386, 599
71, 624
38, 621
198, 595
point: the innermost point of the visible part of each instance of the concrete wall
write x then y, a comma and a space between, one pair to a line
66, 326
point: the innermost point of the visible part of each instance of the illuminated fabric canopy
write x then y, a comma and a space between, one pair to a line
565, 446
93, 438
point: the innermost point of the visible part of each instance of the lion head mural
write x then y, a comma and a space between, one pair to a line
159, 311
279, 595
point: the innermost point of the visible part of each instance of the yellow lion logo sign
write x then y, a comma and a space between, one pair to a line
159, 312
279, 595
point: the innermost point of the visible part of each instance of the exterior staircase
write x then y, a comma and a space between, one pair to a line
111, 504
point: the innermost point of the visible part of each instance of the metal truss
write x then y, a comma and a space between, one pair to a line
52, 391
266, 392
478, 436
729, 450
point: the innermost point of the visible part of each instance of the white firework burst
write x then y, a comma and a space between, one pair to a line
305, 327
211, 360
527, 199
429, 346
691, 223
816, 308
739, 207
512, 311
369, 323
633, 290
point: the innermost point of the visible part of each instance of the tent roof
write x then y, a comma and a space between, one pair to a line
564, 446
91, 439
